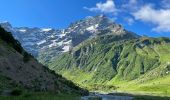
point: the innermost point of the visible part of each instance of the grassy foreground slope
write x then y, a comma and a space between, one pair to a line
115, 63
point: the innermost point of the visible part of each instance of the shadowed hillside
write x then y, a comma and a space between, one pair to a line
19, 70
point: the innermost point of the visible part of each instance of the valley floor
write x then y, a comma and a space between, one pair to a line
155, 87
158, 87
123, 96
52, 96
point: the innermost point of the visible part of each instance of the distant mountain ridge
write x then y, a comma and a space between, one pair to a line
46, 43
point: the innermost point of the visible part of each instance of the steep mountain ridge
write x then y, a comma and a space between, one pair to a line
46, 43
20, 70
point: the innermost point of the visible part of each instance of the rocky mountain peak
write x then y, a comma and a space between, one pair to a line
91, 23
44, 43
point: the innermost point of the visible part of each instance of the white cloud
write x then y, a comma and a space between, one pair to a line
159, 17
107, 7
141, 10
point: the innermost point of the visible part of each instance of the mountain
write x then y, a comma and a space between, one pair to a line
20, 70
46, 43
110, 63
36, 39
116, 60
100, 55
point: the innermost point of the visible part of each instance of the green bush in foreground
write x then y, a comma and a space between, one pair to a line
16, 92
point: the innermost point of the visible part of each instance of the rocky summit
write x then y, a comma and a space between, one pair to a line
46, 43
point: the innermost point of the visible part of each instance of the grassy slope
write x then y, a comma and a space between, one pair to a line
130, 65
154, 81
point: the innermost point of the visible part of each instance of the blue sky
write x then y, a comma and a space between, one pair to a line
145, 17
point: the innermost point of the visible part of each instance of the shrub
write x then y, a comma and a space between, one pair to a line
16, 92
168, 67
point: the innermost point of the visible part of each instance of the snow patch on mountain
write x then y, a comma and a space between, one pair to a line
61, 35
46, 29
66, 48
22, 30
41, 42
92, 28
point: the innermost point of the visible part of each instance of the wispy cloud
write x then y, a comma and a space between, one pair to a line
138, 10
106, 7
109, 7
158, 17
